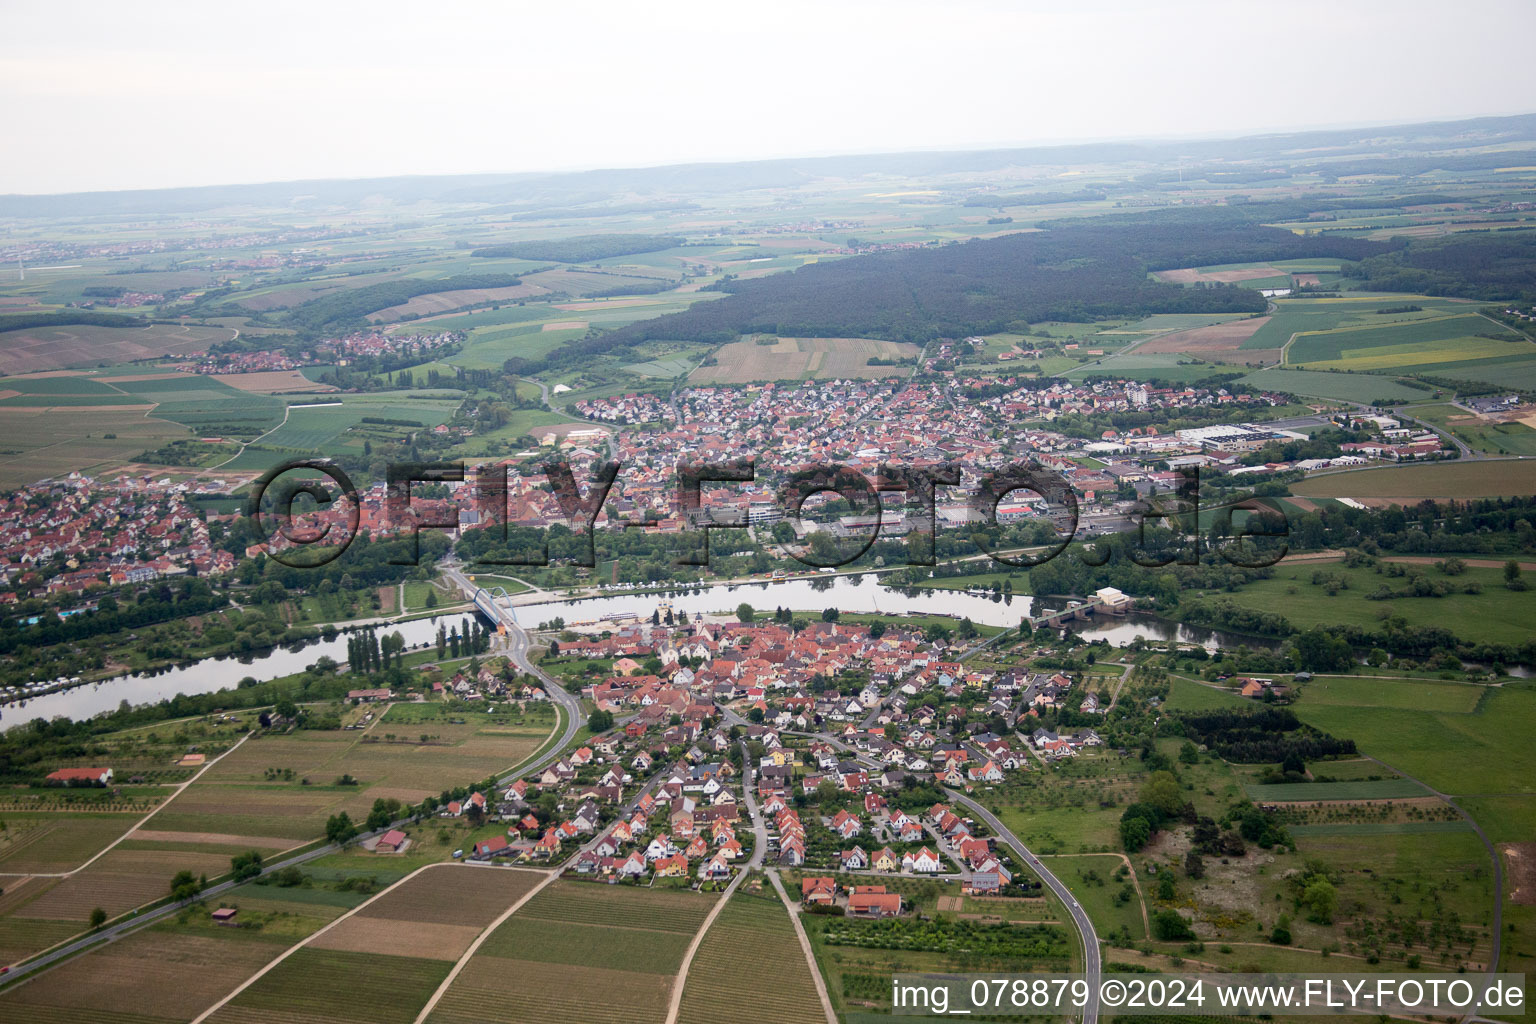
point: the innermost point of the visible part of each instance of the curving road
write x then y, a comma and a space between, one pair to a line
517, 649
516, 645
1093, 965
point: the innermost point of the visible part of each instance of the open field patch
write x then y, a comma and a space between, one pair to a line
52, 842
36, 444
1222, 341
751, 940
592, 995
1383, 789
52, 348
741, 362
331, 985
594, 945
156, 971
1445, 480
271, 381
211, 839
1197, 275
1343, 387
358, 934
455, 894
1485, 752
443, 302
21, 937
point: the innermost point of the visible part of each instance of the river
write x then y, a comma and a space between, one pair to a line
860, 592
200, 677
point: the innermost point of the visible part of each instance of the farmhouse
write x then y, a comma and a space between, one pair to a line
392, 841
80, 776
873, 901
382, 693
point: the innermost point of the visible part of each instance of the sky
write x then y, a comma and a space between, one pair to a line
156, 94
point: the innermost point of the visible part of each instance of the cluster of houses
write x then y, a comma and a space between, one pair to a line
68, 536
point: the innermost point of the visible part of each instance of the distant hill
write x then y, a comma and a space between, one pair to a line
1392, 149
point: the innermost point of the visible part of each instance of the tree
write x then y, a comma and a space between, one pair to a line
1194, 864
98, 918
339, 828
1189, 753
1281, 935
184, 886
1162, 791
245, 865
1134, 833
1512, 578
1321, 900
599, 721
1168, 925
744, 612
286, 709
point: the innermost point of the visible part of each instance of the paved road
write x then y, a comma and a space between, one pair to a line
517, 642
1093, 965
516, 646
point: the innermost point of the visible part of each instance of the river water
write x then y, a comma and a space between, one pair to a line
852, 593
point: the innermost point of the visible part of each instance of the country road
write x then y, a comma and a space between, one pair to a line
518, 651
1092, 960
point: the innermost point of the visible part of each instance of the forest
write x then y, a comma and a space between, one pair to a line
1257, 736
1074, 271
1484, 265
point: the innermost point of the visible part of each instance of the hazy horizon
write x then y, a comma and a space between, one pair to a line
169, 95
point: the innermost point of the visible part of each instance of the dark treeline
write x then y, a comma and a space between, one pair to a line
1257, 736
159, 603
1488, 266
1077, 271
1003, 199
582, 248
30, 321
347, 309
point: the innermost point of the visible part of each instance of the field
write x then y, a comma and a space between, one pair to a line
751, 940
610, 953
1459, 480
271, 381
160, 972
237, 796
1496, 614
54, 841
437, 914
1444, 344
1098, 885
1258, 274
322, 985
1222, 342
443, 302
1343, 387
334, 429
1482, 751
741, 362
1169, 366
257, 798
36, 444
56, 348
